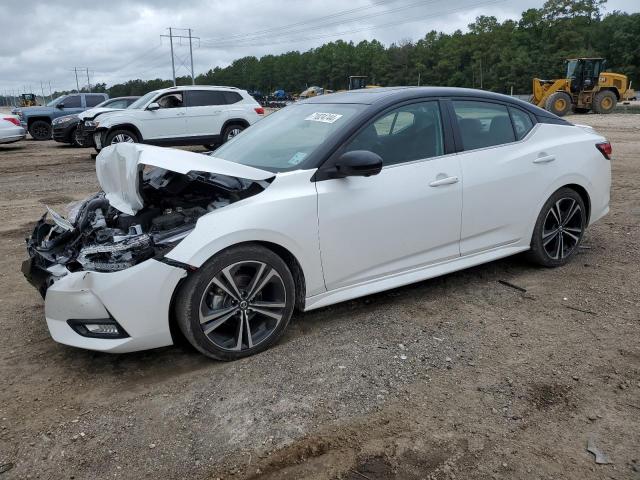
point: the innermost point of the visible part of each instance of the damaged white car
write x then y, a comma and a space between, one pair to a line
329, 199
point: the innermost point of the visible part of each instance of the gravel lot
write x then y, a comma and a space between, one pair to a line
456, 377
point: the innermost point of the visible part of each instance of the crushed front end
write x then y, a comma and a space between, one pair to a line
102, 268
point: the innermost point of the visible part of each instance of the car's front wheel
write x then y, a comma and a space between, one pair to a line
559, 229
120, 136
237, 304
76, 138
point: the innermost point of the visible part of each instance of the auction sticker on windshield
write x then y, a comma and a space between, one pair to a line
323, 117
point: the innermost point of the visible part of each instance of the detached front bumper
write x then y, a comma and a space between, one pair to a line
137, 299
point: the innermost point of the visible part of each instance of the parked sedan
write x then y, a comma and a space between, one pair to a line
10, 129
73, 129
326, 200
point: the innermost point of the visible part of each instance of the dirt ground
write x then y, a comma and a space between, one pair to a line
457, 377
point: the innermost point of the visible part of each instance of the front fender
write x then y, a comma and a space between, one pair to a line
284, 214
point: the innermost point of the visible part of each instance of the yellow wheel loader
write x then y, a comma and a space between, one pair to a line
28, 100
586, 87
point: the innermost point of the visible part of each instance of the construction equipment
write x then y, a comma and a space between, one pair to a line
586, 87
28, 100
356, 82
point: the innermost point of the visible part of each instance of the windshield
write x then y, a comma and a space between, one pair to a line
571, 68
283, 140
142, 101
53, 103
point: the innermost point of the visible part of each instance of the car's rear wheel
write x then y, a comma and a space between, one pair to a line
40, 130
120, 136
237, 304
231, 131
559, 229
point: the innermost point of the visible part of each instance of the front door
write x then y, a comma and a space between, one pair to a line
407, 216
168, 121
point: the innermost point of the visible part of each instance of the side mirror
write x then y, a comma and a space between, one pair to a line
153, 106
60, 106
357, 163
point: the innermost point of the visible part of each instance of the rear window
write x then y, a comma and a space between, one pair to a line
205, 98
522, 122
232, 97
483, 124
93, 100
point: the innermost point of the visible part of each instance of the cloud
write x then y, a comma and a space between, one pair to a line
120, 39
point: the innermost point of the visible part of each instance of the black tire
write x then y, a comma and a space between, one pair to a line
74, 139
604, 101
558, 103
559, 228
211, 147
231, 131
120, 136
40, 130
208, 294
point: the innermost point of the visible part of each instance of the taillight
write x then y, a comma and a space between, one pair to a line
259, 110
15, 121
605, 149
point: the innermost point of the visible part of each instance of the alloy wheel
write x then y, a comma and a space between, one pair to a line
563, 228
233, 132
242, 305
122, 138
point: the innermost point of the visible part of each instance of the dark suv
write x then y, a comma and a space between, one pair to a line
37, 120
72, 129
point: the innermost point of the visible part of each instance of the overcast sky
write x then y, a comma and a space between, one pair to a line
120, 39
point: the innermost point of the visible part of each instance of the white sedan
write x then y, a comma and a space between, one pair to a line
10, 129
329, 199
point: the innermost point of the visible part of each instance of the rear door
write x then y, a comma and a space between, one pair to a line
407, 216
206, 112
502, 175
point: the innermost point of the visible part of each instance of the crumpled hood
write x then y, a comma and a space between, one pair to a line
118, 169
94, 112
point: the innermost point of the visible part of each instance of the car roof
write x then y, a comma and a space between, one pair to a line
391, 95
199, 87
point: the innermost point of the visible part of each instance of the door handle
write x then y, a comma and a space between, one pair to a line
444, 181
544, 158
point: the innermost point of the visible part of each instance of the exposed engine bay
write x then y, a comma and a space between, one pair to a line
98, 237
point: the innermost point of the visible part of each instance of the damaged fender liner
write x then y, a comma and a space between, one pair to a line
151, 199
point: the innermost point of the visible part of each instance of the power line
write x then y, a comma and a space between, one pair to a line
303, 22
256, 36
171, 36
357, 30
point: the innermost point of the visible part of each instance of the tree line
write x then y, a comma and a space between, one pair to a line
493, 55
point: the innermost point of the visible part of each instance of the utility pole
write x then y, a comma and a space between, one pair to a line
193, 78
173, 62
50, 92
44, 100
171, 36
77, 83
88, 82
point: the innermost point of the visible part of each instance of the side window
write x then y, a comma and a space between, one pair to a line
72, 101
171, 100
118, 104
93, 100
521, 122
205, 98
232, 97
411, 132
483, 124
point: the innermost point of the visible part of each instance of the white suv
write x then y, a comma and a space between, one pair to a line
190, 115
